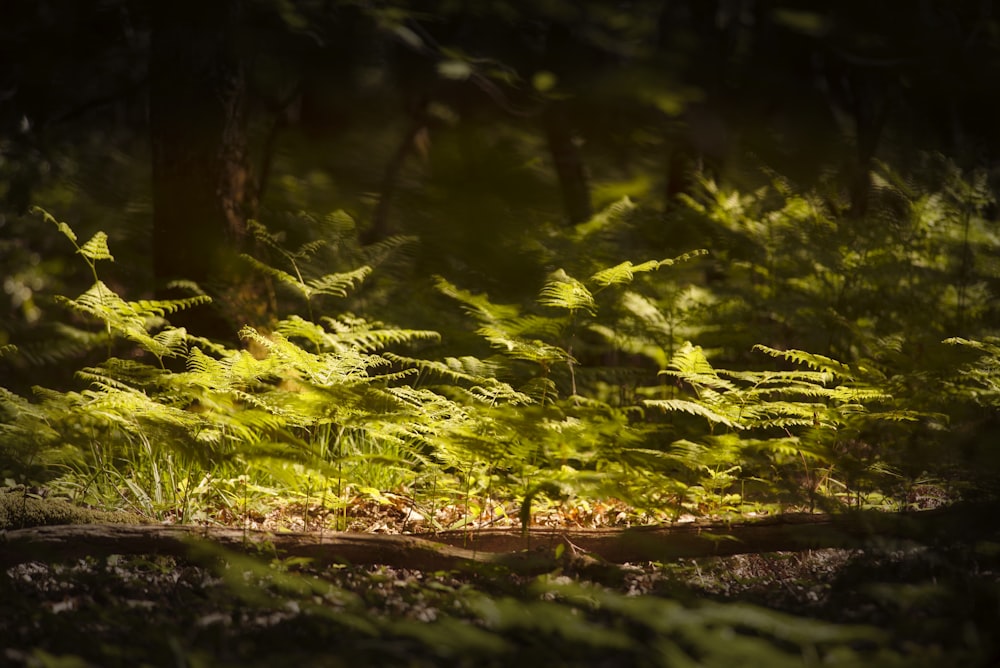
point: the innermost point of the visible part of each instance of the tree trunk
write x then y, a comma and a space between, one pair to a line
568, 162
415, 140
202, 187
870, 109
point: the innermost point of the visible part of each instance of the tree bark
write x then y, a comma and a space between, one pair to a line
202, 186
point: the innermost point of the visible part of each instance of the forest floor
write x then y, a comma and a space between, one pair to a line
892, 603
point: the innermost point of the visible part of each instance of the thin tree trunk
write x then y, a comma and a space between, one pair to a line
569, 166
202, 186
871, 106
380, 227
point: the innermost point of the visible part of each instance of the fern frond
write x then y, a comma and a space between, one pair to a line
478, 306
279, 275
132, 373
99, 378
431, 405
812, 360
848, 394
164, 307
497, 393
564, 291
63, 228
189, 286
297, 327
636, 345
348, 333
690, 359
394, 376
262, 235
308, 249
535, 351
96, 248
377, 252
623, 273
690, 365
765, 379
693, 408
201, 364
494, 393
987, 345
373, 340
173, 339
251, 334
339, 284
646, 312
612, 215
785, 448
688, 453
900, 416
130, 319
470, 370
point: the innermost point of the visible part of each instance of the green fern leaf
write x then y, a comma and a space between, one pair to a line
690, 365
282, 277
97, 248
338, 285
478, 306
563, 291
812, 360
173, 339
164, 307
623, 273
308, 249
692, 407
378, 252
612, 215
65, 229
516, 348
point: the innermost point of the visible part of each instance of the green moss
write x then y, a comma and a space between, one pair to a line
18, 511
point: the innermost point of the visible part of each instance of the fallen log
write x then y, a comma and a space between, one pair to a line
787, 532
536, 551
71, 542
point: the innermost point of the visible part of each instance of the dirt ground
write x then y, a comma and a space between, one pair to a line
891, 604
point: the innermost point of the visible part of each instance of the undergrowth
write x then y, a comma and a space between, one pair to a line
322, 408
590, 390
810, 377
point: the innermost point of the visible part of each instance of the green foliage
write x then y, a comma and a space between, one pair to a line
803, 274
592, 389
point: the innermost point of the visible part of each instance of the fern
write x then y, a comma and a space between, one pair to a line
478, 306
694, 408
96, 248
812, 360
624, 273
348, 333
339, 284
132, 320
563, 291
612, 215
